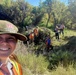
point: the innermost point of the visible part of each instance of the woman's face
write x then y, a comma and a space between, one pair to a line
7, 44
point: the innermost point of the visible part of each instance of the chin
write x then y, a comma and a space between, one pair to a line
4, 55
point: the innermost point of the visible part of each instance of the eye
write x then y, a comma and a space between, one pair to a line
12, 39
1, 39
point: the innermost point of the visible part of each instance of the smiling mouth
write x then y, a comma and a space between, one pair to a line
4, 49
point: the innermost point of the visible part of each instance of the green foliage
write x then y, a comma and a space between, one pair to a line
27, 21
64, 57
61, 58
37, 65
72, 6
48, 13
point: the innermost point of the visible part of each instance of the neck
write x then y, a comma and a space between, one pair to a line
3, 60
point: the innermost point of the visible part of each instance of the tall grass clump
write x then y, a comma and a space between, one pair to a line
64, 71
32, 64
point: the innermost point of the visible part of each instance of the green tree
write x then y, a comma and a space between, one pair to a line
59, 11
47, 5
56, 11
72, 9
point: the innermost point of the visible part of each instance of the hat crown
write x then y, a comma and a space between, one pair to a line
6, 26
9, 28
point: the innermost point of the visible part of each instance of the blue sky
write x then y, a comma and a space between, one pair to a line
36, 2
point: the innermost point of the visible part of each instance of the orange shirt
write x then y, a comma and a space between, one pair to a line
31, 36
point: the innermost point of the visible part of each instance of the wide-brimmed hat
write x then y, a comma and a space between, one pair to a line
7, 27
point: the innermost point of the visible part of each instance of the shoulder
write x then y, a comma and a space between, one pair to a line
17, 66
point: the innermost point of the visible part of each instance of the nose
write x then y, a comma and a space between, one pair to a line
4, 43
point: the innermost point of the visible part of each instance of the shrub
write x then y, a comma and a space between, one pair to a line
64, 57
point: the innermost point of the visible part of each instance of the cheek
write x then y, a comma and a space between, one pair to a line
13, 46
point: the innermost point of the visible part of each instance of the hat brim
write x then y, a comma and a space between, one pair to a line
17, 35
